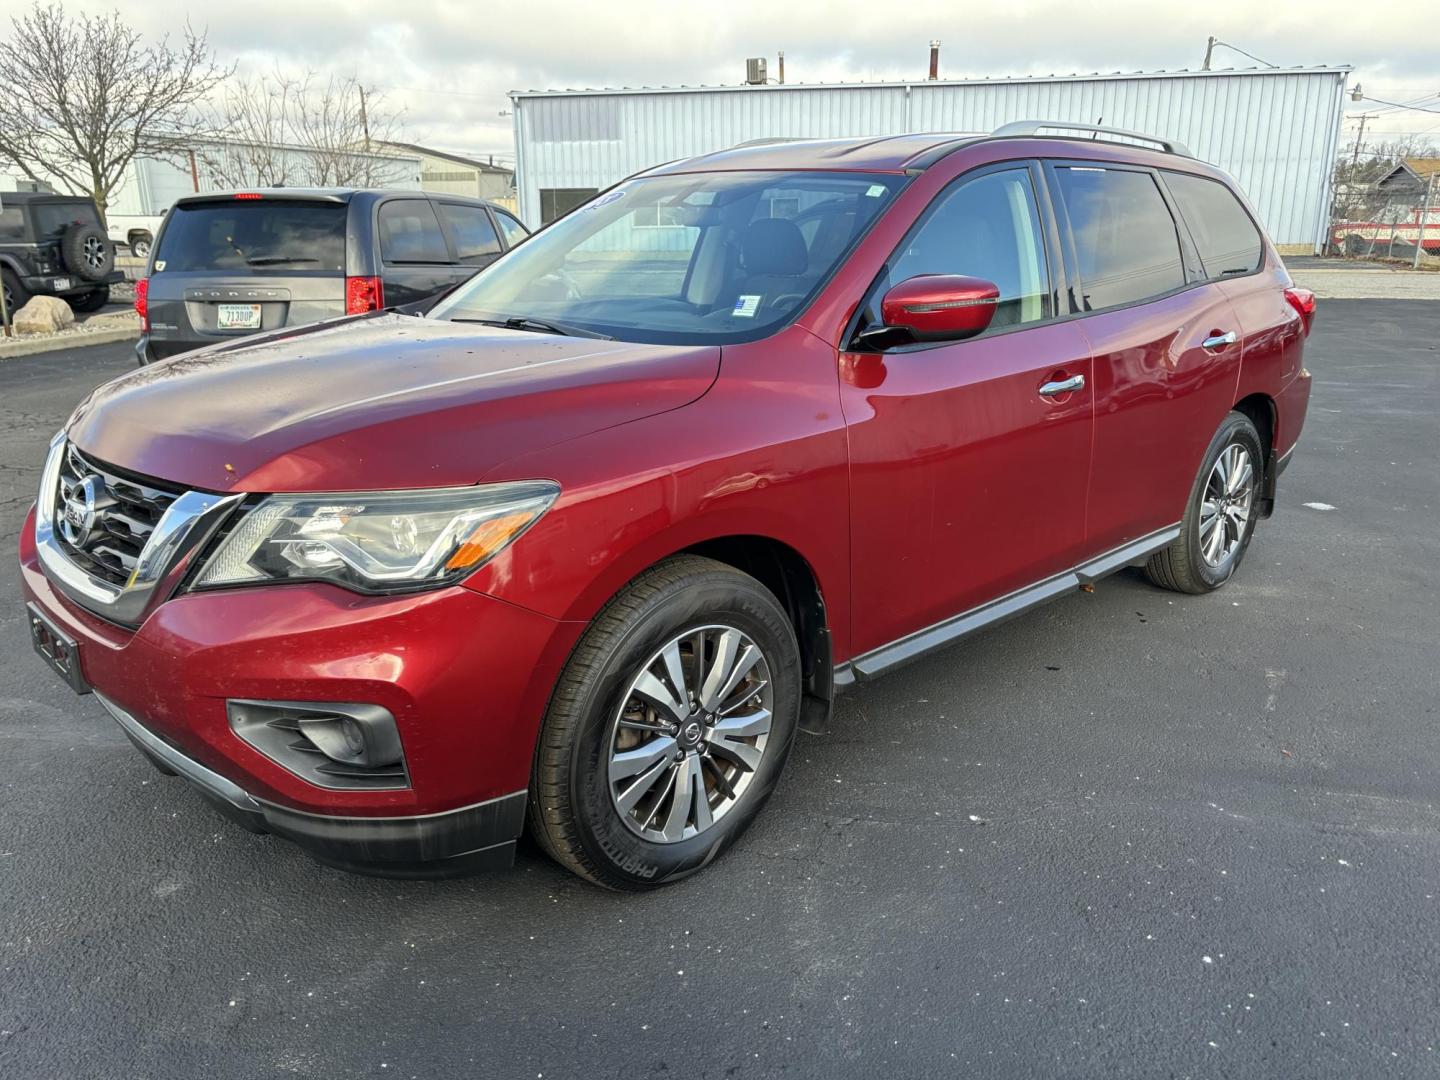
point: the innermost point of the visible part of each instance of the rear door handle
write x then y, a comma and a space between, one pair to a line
1064, 386
1219, 341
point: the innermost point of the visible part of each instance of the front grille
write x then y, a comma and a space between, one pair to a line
122, 528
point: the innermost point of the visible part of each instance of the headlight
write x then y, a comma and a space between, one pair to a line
380, 541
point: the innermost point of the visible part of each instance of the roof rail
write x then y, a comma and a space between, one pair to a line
1035, 127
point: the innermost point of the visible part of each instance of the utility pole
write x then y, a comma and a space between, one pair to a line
1209, 48
4, 307
1424, 206
364, 120
1359, 138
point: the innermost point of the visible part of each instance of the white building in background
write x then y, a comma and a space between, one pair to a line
1274, 129
445, 172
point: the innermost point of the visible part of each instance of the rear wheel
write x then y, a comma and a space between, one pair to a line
16, 295
140, 245
93, 300
1220, 517
669, 727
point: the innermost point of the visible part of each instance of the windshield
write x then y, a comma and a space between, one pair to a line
697, 258
256, 236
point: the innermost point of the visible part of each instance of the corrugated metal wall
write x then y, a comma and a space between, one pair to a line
1274, 130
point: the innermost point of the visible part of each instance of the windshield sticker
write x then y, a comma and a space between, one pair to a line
746, 306
608, 197
876, 190
159, 265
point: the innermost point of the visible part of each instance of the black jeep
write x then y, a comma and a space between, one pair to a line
54, 245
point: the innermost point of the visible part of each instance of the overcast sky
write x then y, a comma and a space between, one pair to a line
449, 63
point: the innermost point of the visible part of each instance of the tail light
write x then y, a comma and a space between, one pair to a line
142, 303
1303, 301
363, 294
248, 195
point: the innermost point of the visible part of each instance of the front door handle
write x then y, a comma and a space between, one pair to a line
1219, 341
1064, 386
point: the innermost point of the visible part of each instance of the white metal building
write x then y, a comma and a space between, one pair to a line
1274, 129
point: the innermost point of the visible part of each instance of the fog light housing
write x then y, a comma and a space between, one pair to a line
329, 744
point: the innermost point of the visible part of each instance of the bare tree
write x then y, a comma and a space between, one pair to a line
253, 117
283, 129
82, 97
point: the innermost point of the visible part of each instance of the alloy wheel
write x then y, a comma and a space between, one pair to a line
1226, 505
690, 733
94, 252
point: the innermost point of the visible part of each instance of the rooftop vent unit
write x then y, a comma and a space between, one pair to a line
755, 71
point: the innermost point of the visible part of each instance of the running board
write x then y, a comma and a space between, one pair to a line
888, 657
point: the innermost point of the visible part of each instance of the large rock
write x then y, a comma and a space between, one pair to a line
43, 315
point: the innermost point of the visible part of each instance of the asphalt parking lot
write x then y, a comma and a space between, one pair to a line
1134, 834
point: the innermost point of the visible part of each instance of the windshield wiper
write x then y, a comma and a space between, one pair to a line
539, 326
269, 260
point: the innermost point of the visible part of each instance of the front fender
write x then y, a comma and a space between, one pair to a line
755, 456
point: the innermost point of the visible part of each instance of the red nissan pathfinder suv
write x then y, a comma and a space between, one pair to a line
587, 543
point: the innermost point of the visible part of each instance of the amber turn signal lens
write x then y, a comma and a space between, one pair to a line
487, 538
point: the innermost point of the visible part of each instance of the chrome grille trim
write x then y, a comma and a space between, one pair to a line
126, 571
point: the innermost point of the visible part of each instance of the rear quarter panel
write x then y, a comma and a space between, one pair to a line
1273, 358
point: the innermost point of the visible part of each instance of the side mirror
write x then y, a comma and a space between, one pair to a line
940, 307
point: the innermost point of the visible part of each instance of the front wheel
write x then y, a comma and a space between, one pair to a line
1220, 517
669, 727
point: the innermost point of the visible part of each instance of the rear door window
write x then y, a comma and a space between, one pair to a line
256, 236
513, 230
12, 224
472, 231
1228, 240
410, 233
1125, 239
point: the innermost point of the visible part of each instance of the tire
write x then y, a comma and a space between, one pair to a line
140, 245
93, 300
594, 717
87, 252
1200, 561
16, 295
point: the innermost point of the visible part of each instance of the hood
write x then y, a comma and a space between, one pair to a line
384, 402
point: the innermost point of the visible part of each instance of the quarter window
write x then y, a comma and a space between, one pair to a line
987, 227
1125, 239
410, 233
1228, 241
513, 230
474, 236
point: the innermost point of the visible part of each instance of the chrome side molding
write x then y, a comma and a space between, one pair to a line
912, 647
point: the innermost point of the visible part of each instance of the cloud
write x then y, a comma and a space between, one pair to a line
449, 63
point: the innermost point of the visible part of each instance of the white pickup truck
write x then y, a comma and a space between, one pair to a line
135, 232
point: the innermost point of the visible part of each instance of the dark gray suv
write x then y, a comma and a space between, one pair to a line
235, 263
54, 245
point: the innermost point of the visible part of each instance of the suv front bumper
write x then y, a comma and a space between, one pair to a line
478, 837
465, 676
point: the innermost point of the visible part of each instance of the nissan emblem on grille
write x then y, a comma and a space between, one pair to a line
82, 507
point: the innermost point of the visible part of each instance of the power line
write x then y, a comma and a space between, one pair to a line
1357, 96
